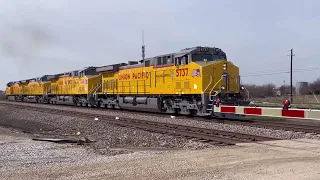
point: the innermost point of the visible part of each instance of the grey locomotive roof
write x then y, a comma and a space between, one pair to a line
48, 77
110, 67
88, 68
185, 51
131, 66
26, 80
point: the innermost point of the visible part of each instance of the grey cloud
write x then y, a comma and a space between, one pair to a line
25, 42
256, 35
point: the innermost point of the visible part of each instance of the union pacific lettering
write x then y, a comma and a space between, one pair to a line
139, 75
124, 76
142, 75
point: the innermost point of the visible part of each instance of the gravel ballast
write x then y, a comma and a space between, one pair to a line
190, 122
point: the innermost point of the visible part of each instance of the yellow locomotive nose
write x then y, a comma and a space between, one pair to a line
225, 76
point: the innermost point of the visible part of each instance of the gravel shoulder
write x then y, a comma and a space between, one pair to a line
285, 159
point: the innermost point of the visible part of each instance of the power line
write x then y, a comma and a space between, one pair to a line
265, 74
267, 71
279, 72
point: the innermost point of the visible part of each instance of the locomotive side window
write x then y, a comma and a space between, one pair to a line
158, 61
184, 60
169, 60
177, 61
164, 60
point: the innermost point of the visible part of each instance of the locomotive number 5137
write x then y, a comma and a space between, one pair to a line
182, 72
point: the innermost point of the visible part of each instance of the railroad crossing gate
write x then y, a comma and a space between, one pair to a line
269, 112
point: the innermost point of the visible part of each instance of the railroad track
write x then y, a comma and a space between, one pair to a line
203, 134
307, 126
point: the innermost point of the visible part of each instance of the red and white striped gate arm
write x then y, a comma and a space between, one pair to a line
271, 112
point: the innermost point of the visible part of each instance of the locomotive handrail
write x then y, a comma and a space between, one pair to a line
89, 92
214, 86
93, 91
98, 86
208, 84
206, 90
94, 88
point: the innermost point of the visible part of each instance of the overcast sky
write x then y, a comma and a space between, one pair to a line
40, 37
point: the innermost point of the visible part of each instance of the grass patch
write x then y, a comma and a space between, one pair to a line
299, 101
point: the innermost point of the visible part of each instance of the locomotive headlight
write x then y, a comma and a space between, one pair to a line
224, 67
242, 88
222, 88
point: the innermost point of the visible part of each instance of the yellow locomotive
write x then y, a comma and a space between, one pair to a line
186, 82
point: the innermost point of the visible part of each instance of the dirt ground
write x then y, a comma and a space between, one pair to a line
22, 158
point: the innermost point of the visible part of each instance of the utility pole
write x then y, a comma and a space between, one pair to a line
291, 55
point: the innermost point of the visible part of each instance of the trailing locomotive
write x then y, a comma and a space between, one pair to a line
188, 82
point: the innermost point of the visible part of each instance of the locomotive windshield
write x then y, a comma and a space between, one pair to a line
208, 57
201, 57
208, 54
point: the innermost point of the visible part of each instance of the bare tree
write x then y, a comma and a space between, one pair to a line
315, 86
261, 91
285, 89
